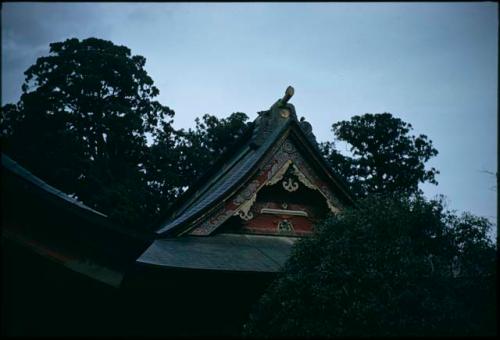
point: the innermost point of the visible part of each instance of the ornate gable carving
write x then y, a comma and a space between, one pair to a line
283, 159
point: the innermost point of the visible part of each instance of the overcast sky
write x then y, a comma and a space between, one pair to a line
434, 65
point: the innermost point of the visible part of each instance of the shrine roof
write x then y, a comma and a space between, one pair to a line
12, 166
44, 220
231, 172
61, 199
226, 252
236, 164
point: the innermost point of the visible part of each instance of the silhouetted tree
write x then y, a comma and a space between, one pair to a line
199, 148
390, 266
82, 124
386, 158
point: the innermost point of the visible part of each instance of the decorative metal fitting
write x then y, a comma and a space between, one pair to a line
288, 94
290, 185
245, 215
285, 226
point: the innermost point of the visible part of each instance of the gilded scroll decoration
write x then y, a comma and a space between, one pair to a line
244, 210
274, 176
248, 215
290, 185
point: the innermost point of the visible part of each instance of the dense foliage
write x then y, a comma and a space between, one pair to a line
88, 124
391, 266
386, 158
82, 124
200, 148
178, 157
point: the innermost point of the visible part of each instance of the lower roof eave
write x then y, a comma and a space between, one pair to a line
222, 252
161, 267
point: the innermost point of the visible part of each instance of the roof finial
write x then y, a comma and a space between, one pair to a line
288, 94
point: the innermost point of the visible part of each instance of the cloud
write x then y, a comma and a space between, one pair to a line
28, 29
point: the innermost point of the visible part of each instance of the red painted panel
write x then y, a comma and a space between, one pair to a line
275, 197
268, 224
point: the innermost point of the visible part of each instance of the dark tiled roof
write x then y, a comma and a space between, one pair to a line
229, 252
17, 169
232, 172
236, 164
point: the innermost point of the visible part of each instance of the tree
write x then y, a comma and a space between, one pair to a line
82, 124
9, 119
385, 157
198, 149
391, 266
178, 157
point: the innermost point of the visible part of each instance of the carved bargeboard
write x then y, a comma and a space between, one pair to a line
283, 169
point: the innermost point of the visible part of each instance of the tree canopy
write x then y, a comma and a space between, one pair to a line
393, 265
82, 124
386, 158
88, 124
199, 148
177, 158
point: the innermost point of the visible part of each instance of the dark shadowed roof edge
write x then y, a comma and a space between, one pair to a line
198, 183
8, 164
20, 171
260, 153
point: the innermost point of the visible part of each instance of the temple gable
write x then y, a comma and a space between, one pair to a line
285, 197
274, 182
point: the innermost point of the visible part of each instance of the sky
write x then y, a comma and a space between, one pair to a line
434, 65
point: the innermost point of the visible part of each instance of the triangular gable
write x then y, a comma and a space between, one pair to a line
216, 188
285, 155
278, 144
